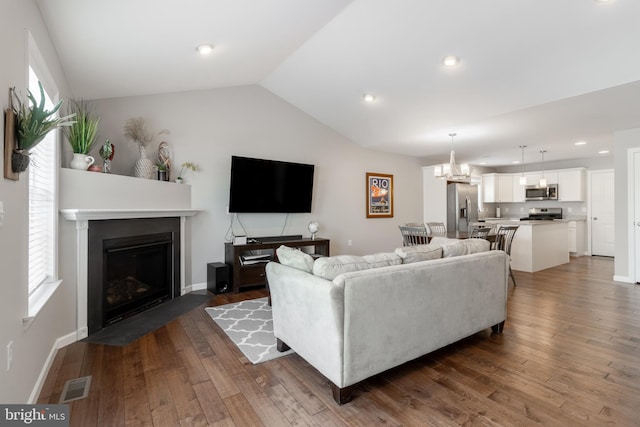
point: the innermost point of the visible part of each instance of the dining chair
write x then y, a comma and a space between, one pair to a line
436, 227
414, 235
478, 232
504, 238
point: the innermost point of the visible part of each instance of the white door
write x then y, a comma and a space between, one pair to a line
602, 213
636, 218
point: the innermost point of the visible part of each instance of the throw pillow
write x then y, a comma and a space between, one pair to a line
418, 253
382, 259
465, 247
330, 267
295, 258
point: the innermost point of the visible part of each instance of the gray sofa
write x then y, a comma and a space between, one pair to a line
355, 324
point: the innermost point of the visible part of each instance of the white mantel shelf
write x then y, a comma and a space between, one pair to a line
98, 214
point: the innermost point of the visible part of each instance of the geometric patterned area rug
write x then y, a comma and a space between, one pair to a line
250, 326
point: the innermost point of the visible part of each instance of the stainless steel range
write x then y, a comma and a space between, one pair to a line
543, 214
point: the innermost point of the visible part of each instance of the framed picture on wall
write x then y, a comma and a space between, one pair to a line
379, 195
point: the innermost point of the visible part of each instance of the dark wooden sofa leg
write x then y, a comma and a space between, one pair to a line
281, 346
341, 395
498, 328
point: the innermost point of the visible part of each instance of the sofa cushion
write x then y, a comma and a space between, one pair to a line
439, 241
465, 247
295, 258
330, 267
417, 253
382, 259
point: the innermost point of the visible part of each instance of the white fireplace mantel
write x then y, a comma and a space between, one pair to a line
90, 196
97, 214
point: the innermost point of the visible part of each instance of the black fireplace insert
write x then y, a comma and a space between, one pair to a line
133, 266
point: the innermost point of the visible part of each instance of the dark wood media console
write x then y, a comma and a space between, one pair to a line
247, 261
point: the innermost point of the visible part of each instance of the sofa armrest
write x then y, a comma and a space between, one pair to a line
308, 316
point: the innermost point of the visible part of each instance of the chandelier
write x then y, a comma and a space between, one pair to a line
451, 171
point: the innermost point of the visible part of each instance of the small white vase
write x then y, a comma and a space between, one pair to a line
144, 166
81, 161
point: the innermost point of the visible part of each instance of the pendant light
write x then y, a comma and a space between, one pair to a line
543, 180
451, 171
523, 179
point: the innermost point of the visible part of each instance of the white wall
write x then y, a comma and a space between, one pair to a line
623, 141
208, 127
32, 345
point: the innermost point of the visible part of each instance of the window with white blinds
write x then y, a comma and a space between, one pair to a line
42, 208
42, 203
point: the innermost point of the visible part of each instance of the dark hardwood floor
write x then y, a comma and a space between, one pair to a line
569, 356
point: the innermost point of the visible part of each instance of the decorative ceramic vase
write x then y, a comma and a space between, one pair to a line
144, 166
81, 161
19, 160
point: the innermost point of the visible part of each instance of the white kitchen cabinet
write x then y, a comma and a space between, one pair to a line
575, 231
505, 188
489, 187
533, 178
571, 185
497, 188
518, 190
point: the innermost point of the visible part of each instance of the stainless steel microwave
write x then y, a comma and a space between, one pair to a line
535, 192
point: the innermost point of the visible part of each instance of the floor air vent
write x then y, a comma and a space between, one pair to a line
75, 389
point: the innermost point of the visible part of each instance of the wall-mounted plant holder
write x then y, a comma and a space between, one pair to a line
9, 144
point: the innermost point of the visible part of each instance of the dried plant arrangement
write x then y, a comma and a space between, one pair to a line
136, 130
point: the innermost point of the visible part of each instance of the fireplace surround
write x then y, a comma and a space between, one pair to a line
133, 265
87, 198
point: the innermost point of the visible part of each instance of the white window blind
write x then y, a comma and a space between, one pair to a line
42, 203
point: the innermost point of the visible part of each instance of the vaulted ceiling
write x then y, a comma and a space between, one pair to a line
541, 73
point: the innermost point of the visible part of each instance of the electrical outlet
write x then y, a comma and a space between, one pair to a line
9, 355
569, 210
584, 209
349, 242
1, 213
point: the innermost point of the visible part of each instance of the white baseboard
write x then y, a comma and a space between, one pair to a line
195, 287
624, 279
58, 344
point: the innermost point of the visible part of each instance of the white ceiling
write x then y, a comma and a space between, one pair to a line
543, 73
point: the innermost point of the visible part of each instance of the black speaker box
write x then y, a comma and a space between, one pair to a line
218, 280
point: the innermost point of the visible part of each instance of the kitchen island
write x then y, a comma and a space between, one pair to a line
538, 245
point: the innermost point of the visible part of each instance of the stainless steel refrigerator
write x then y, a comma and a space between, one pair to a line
462, 206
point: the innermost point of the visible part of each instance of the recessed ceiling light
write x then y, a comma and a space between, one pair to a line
204, 49
368, 97
483, 163
451, 61
603, 152
516, 162
601, 1
580, 143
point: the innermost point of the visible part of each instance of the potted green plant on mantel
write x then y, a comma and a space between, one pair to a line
82, 134
183, 168
33, 122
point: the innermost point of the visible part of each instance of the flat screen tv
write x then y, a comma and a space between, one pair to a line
261, 186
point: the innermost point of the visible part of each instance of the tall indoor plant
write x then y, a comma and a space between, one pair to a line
82, 134
33, 122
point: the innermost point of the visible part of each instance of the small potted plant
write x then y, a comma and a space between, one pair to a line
183, 169
33, 122
82, 134
106, 152
162, 172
